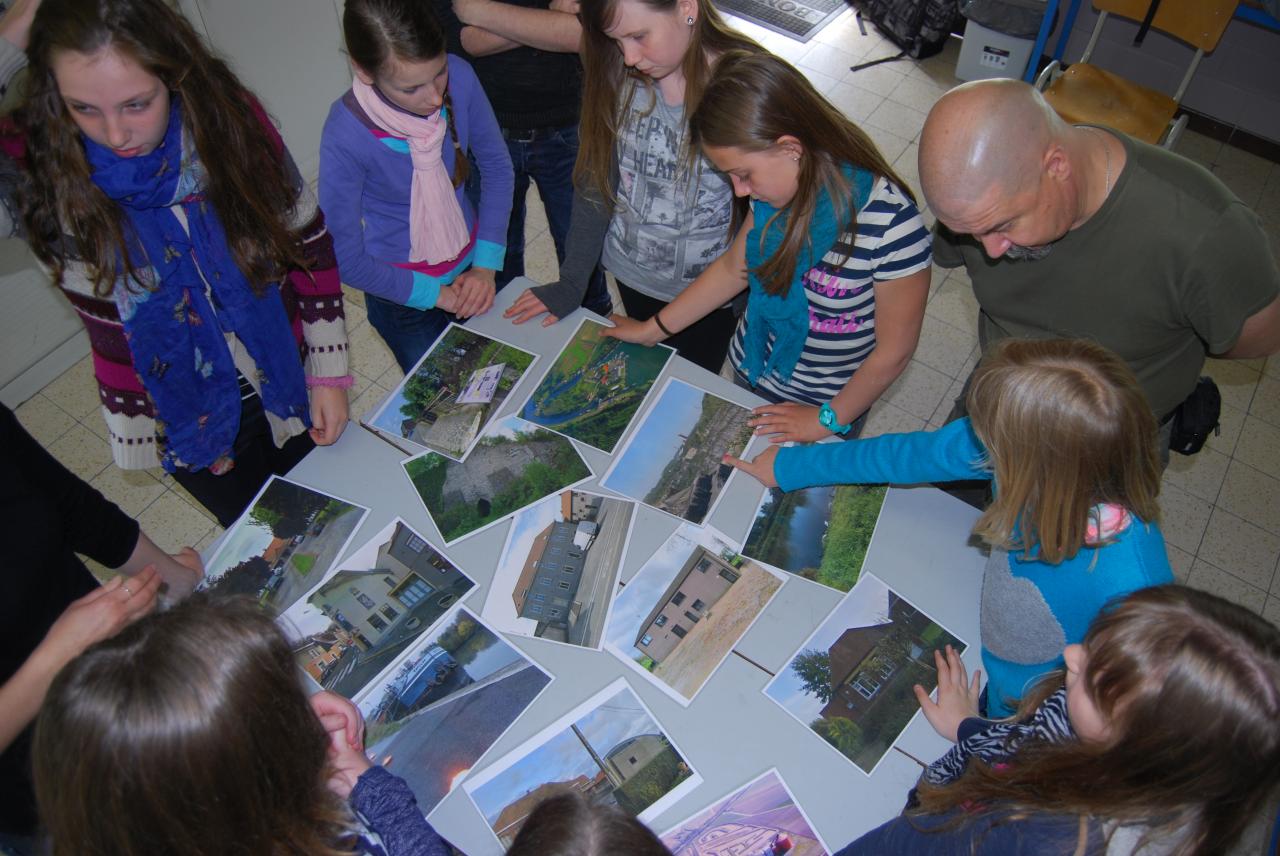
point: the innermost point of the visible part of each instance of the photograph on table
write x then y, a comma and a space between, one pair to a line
374, 604
595, 386
609, 749
678, 618
818, 533
558, 570
442, 706
673, 461
851, 681
761, 818
453, 392
283, 544
514, 465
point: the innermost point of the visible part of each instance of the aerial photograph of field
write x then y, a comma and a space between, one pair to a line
595, 386
819, 533
515, 464
761, 818
452, 393
673, 460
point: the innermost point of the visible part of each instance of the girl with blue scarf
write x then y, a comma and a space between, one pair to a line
833, 253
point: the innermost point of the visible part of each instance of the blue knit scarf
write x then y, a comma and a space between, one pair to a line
175, 326
779, 323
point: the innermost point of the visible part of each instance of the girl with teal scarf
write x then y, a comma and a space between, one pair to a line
832, 253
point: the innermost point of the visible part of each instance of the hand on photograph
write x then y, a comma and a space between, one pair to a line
789, 422
957, 695
337, 713
100, 614
474, 289
329, 413
761, 468
630, 330
527, 307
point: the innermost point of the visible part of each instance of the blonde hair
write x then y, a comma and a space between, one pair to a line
1066, 427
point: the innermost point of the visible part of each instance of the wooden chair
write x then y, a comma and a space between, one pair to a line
1085, 93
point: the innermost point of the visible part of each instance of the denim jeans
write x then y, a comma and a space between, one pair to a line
408, 332
547, 160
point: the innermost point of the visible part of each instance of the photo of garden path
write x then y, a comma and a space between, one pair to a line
851, 681
610, 750
515, 464
432, 719
674, 460
283, 544
595, 386
819, 533
760, 818
453, 392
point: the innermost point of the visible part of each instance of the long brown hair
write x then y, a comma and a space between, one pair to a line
1190, 684
247, 182
609, 86
569, 825
752, 100
1066, 427
376, 31
182, 735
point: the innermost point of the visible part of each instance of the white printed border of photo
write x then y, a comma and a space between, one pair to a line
640, 407
287, 622
700, 536
772, 771
408, 446
475, 780
380, 682
754, 446
450, 542
240, 521
498, 588
866, 575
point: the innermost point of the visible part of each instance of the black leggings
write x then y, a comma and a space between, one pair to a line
705, 342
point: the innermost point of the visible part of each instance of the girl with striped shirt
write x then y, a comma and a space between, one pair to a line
833, 253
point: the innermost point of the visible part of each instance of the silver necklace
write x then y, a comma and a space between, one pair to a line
1106, 150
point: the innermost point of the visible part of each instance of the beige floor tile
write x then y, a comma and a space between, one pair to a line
1271, 612
132, 490
535, 216
1230, 421
1183, 518
44, 420
1259, 446
843, 32
368, 399
854, 102
352, 295
391, 378
944, 347
100, 572
1240, 549
1266, 400
917, 94
789, 49
173, 523
827, 59
937, 70
882, 49
885, 418
824, 83
82, 452
954, 304
185, 495
1246, 174
369, 354
898, 119
1251, 495
1180, 561
1206, 577
1200, 148
356, 315
947, 404
918, 390
1235, 380
880, 79
937, 277
1200, 475
907, 167
891, 145
540, 263
207, 541
75, 390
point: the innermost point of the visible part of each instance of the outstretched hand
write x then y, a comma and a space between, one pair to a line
789, 422
527, 307
100, 614
957, 695
630, 330
761, 468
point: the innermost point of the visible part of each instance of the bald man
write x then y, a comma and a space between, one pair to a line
1082, 231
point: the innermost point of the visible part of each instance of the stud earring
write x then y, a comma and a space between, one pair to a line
689, 20
795, 158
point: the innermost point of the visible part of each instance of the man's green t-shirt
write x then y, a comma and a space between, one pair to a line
1167, 270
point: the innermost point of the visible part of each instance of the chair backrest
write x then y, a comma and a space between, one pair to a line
1199, 23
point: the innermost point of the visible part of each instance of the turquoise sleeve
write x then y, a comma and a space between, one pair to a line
426, 291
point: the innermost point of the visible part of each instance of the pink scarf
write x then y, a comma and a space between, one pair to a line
437, 230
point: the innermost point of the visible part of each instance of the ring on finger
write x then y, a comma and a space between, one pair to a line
127, 590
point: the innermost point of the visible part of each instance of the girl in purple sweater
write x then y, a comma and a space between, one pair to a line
393, 169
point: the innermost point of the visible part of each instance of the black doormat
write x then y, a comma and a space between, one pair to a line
799, 19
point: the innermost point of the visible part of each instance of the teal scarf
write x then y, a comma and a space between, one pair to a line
779, 323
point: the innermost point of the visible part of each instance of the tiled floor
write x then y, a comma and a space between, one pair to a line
1221, 507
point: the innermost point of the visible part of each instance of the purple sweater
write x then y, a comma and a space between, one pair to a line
365, 178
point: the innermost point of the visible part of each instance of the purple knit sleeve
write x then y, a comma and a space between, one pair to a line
389, 808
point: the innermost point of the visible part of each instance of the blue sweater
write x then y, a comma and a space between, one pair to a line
394, 826
364, 192
1030, 609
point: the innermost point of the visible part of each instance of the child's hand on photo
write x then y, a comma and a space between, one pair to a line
527, 307
761, 468
630, 330
475, 289
789, 422
330, 410
957, 695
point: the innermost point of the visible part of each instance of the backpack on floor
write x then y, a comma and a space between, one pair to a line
919, 27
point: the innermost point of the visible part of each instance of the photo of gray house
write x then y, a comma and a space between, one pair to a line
702, 581
550, 577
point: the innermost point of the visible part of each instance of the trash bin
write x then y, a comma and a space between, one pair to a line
999, 36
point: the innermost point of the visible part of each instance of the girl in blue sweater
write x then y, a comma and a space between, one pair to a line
1069, 439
